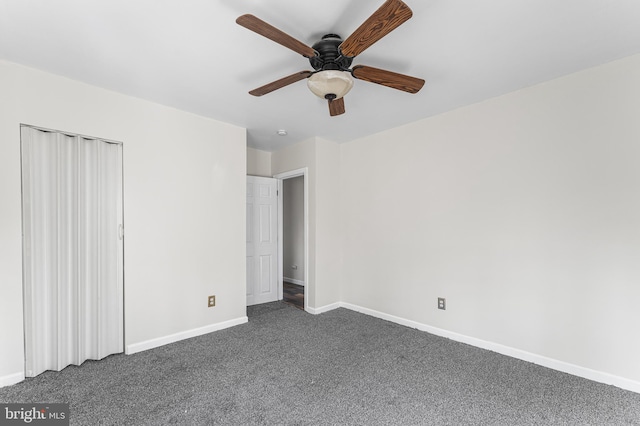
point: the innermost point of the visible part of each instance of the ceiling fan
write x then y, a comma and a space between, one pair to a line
331, 57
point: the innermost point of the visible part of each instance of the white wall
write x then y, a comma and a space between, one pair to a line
293, 229
522, 211
184, 189
328, 231
258, 162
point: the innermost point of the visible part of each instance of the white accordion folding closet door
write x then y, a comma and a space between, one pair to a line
72, 249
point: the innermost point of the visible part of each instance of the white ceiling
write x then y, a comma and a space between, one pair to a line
191, 55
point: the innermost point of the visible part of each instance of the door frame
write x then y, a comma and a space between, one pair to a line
304, 172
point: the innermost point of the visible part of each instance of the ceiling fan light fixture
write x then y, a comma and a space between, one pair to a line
330, 84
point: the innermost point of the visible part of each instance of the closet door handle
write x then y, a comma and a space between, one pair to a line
121, 231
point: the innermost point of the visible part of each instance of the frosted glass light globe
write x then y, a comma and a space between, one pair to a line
330, 82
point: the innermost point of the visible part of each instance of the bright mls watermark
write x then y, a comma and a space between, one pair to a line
34, 414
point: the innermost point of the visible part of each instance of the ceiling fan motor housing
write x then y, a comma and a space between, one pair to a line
329, 56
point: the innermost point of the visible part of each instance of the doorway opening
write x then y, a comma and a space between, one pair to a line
293, 235
293, 241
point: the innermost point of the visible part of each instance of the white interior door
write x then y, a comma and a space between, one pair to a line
262, 240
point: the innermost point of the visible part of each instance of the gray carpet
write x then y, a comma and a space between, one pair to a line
339, 368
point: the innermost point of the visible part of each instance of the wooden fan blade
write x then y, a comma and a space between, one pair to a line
388, 78
278, 84
336, 107
387, 18
258, 26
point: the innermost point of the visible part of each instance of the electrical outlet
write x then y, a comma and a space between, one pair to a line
212, 301
294, 266
442, 303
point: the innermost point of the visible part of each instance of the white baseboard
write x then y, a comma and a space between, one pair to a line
322, 309
11, 379
161, 341
293, 281
565, 367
